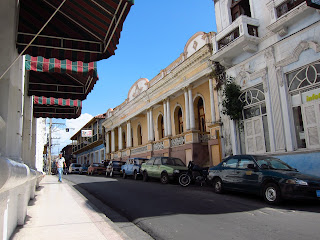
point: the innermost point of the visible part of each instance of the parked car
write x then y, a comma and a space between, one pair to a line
163, 168
132, 167
114, 168
264, 175
96, 168
74, 168
84, 168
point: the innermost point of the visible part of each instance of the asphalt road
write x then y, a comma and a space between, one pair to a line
173, 212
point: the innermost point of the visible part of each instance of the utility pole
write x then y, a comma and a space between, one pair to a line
49, 149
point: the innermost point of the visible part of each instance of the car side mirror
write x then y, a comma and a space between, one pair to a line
251, 166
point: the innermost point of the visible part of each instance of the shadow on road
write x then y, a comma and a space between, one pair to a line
139, 200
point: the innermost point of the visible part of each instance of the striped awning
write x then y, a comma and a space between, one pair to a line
60, 78
81, 30
56, 107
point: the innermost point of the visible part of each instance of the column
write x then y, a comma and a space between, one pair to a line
113, 144
148, 121
191, 110
289, 135
165, 117
234, 138
277, 118
169, 118
120, 137
152, 125
212, 106
107, 142
186, 106
129, 138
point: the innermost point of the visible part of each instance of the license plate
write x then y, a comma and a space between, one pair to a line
318, 193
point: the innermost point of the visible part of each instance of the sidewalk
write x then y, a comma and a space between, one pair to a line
60, 212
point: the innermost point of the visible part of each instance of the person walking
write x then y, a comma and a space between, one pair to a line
60, 162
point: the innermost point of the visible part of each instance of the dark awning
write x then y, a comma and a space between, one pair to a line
82, 30
60, 79
56, 107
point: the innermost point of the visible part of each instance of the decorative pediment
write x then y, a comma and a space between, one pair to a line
295, 54
137, 88
196, 42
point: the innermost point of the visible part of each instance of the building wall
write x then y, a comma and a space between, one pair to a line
189, 73
286, 44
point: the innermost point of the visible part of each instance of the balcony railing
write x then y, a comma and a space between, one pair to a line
229, 38
287, 6
177, 141
240, 36
139, 150
87, 141
158, 146
287, 13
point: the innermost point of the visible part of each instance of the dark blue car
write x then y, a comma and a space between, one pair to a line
264, 175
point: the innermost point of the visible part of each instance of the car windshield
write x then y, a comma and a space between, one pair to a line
172, 161
85, 165
95, 165
115, 163
77, 165
272, 163
139, 161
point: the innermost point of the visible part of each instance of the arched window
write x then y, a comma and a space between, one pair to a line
201, 116
132, 137
178, 120
160, 127
124, 140
139, 135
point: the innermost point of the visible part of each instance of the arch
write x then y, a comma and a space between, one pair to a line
295, 54
124, 140
178, 119
199, 108
160, 126
139, 134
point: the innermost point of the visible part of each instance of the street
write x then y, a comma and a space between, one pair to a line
173, 212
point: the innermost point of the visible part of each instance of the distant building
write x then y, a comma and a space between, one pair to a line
68, 155
90, 148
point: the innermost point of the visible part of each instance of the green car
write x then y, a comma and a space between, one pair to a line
165, 168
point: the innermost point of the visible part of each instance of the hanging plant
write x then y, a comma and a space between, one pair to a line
232, 106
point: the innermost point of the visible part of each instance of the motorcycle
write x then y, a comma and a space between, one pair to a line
195, 173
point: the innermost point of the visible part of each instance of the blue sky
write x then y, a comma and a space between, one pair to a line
153, 36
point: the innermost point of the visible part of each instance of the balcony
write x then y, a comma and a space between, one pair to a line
241, 36
88, 143
284, 14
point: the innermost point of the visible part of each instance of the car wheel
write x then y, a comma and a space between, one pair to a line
271, 193
184, 180
124, 176
145, 176
217, 185
135, 175
164, 178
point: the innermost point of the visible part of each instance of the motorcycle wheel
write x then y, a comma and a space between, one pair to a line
184, 180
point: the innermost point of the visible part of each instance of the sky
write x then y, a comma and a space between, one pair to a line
153, 36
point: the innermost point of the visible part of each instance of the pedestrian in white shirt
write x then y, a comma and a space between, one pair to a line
60, 162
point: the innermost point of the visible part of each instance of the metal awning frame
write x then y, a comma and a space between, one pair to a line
102, 44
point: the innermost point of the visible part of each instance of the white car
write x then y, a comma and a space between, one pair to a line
74, 168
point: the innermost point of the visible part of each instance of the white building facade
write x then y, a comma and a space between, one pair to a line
271, 48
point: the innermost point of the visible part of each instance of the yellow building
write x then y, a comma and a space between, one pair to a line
174, 114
